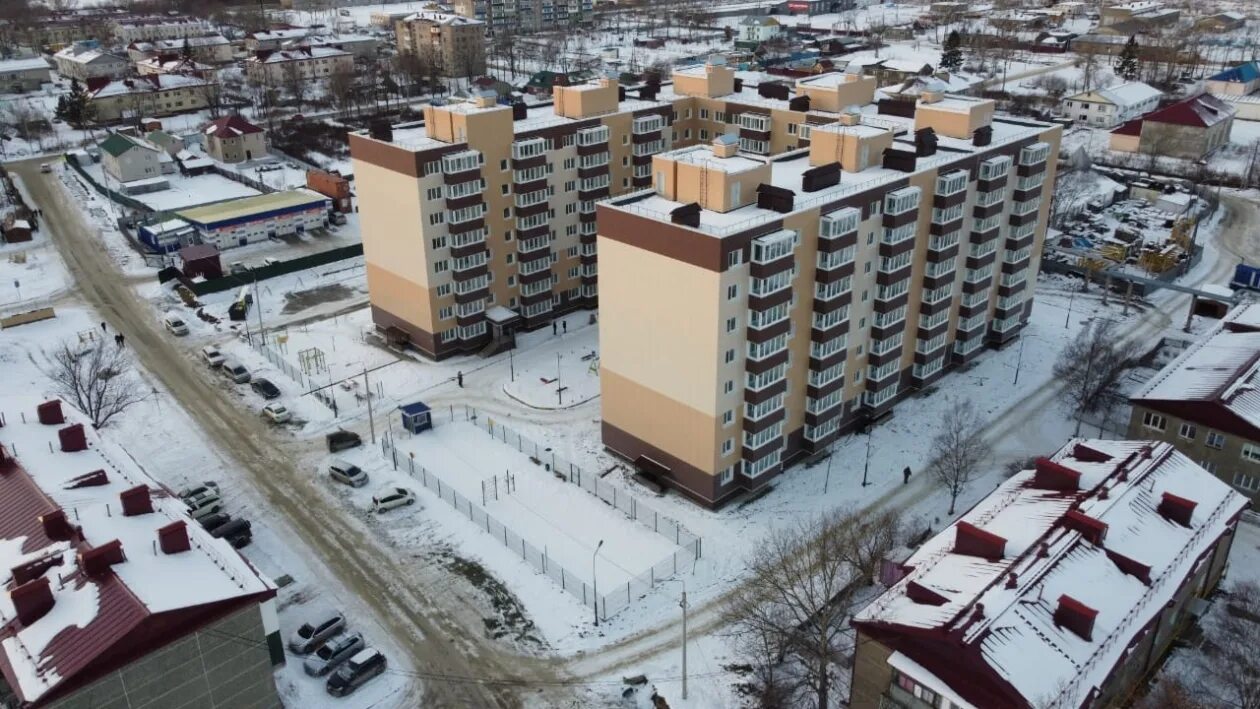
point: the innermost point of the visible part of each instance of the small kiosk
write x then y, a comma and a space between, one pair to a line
416, 417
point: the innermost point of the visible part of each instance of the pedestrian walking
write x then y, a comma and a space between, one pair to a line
905, 476
553, 327
565, 323
459, 379
102, 326
118, 339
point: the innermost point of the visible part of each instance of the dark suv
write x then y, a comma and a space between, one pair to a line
341, 440
356, 672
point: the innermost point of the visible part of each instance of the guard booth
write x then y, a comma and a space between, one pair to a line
416, 417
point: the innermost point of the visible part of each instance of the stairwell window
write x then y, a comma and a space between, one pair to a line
1154, 421
1187, 431
1215, 440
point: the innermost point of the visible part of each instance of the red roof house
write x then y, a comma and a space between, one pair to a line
1189, 129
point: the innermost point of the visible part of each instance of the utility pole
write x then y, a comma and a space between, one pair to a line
595, 583
559, 391
1019, 359
368, 387
683, 605
866, 467
262, 334
512, 364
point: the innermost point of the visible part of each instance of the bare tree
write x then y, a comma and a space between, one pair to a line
1090, 369
959, 449
1227, 675
295, 83
1169, 693
98, 379
341, 88
803, 583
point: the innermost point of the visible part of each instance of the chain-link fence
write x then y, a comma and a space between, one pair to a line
606, 604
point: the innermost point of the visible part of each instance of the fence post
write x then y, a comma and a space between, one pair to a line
522, 547
505, 535
656, 521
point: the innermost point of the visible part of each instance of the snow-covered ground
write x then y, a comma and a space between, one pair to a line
184, 191
31, 274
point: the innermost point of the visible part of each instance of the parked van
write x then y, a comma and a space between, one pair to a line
355, 672
236, 531
235, 371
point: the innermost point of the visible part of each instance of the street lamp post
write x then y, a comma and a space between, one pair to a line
866, 467
595, 582
559, 391
683, 605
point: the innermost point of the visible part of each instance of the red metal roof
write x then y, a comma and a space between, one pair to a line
1199, 111
231, 127
1133, 127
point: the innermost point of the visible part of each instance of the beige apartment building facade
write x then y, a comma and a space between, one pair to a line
753, 309
522, 185
454, 44
307, 62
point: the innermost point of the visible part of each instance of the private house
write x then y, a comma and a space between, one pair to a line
1222, 22
754, 30
1241, 80
1108, 108
306, 62
1063, 587
115, 596
1190, 129
1149, 13
22, 75
129, 159
233, 139
85, 60
148, 95
1203, 402
209, 49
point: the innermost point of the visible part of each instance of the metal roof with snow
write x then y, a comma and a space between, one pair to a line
101, 617
1241, 74
976, 606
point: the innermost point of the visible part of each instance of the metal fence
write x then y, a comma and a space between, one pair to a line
607, 603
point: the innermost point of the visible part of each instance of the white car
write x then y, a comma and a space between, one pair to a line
212, 356
176, 325
389, 499
277, 413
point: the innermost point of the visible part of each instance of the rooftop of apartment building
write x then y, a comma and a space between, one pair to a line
1216, 378
1037, 591
106, 563
788, 171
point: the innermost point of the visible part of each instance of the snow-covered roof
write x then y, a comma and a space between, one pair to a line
143, 84
213, 40
441, 18
97, 614
297, 54
1220, 372
81, 54
1132, 93
1093, 531
25, 64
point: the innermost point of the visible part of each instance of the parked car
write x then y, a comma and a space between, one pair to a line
332, 653
312, 635
347, 473
341, 440
337, 219
214, 521
389, 499
235, 371
46, 167
212, 356
237, 532
204, 490
356, 672
265, 388
203, 507
277, 413
176, 325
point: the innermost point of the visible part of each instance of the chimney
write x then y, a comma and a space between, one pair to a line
1012, 580
799, 103
72, 438
519, 111
851, 116
821, 177
970, 540
899, 160
776, 199
982, 137
1050, 475
648, 92
1086, 454
739, 84
925, 142
50, 412
32, 600
97, 560
136, 501
382, 131
1177, 509
173, 538
1130, 566
930, 96
34, 569
686, 215
96, 478
1094, 530
923, 595
621, 93
56, 526
1075, 616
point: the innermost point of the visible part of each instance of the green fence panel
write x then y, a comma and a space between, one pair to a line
262, 273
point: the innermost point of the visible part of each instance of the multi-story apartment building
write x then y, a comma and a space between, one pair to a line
1202, 401
87, 60
306, 62
526, 15
1064, 587
455, 45
752, 308
503, 198
148, 95
147, 29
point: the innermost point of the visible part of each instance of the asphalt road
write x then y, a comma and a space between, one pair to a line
426, 609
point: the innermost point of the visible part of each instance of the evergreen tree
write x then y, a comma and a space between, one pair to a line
1128, 68
76, 108
186, 52
62, 108
951, 54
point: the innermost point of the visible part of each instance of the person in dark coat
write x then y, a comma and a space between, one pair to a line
905, 476
459, 379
